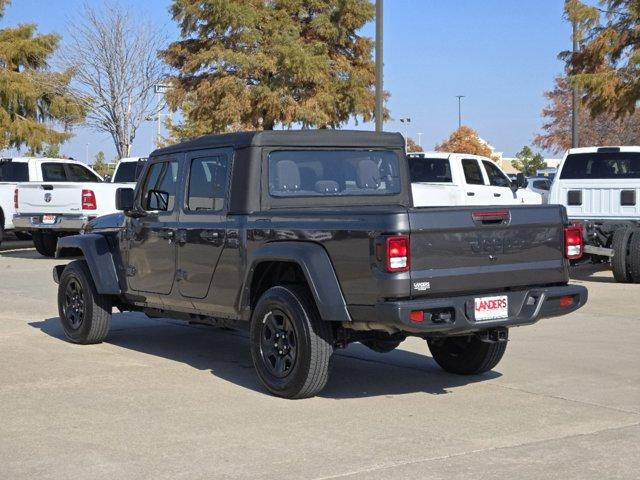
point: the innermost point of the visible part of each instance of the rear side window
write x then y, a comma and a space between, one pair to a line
541, 185
333, 173
54, 172
78, 173
496, 177
14, 172
159, 192
207, 184
128, 172
431, 170
601, 165
472, 172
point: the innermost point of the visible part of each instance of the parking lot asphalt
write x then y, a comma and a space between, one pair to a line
160, 399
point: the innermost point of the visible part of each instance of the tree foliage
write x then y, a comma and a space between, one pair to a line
257, 64
527, 162
115, 57
601, 129
100, 165
607, 65
36, 106
465, 140
412, 146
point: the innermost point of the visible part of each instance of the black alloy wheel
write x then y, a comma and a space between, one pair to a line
278, 346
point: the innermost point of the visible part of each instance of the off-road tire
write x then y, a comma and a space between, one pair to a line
466, 355
45, 243
633, 259
95, 320
620, 247
382, 346
308, 372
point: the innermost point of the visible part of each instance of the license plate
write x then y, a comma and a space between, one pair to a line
48, 219
491, 308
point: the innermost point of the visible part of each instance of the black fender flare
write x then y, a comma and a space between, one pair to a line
318, 271
99, 258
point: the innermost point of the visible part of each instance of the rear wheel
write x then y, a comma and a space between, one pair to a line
291, 346
466, 355
620, 247
633, 259
84, 313
45, 243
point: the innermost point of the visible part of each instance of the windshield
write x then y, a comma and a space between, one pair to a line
601, 165
14, 171
333, 173
128, 172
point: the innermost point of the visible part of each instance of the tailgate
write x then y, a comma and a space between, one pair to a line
39, 197
462, 250
599, 200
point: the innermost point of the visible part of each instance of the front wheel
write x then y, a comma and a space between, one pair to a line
45, 243
84, 313
466, 355
291, 346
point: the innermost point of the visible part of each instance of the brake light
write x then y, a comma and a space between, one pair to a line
89, 200
398, 253
573, 242
15, 199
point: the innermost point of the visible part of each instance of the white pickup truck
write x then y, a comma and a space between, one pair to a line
128, 170
600, 188
440, 179
60, 198
12, 171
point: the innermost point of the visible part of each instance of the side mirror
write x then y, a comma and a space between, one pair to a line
520, 182
124, 199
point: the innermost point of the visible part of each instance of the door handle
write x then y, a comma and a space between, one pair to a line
497, 194
167, 234
471, 194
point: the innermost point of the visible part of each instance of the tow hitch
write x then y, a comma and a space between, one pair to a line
495, 335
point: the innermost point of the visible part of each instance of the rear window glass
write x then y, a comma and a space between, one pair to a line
432, 170
128, 172
610, 165
14, 172
333, 173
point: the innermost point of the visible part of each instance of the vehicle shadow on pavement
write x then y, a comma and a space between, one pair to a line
356, 372
598, 273
25, 253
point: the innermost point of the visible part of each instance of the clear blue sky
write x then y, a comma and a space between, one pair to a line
501, 54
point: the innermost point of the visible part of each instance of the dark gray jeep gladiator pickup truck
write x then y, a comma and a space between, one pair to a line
310, 240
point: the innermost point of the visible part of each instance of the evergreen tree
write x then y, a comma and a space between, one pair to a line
257, 64
32, 98
527, 162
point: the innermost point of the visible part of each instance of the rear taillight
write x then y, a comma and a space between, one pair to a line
398, 255
15, 199
89, 200
573, 242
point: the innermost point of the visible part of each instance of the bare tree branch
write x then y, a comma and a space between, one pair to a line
117, 67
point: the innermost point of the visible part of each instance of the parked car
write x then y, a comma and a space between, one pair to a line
541, 186
600, 186
447, 179
14, 171
63, 197
309, 240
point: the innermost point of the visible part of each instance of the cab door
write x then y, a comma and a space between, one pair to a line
203, 221
500, 185
475, 189
151, 234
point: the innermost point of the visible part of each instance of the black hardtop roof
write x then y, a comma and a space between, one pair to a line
290, 138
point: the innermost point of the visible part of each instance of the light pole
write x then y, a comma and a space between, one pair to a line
406, 121
420, 139
379, 112
460, 97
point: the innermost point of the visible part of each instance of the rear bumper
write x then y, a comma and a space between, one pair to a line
64, 223
525, 308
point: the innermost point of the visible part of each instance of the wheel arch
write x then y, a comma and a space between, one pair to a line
279, 262
96, 252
